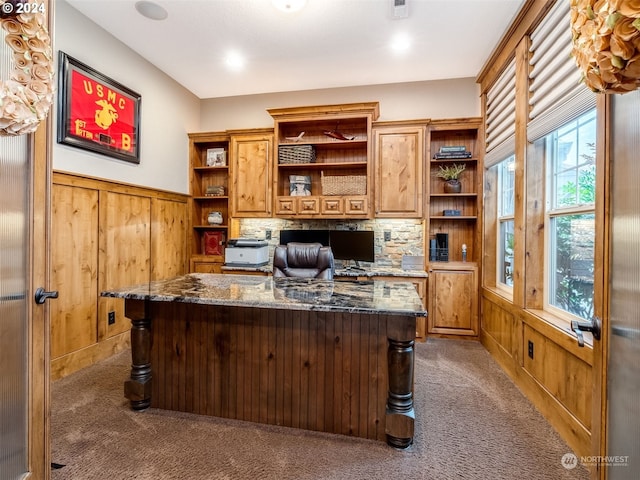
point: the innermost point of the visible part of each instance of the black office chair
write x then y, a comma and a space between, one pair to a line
303, 260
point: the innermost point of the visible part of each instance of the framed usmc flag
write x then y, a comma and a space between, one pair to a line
97, 113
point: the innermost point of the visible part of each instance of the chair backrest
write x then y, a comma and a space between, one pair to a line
303, 260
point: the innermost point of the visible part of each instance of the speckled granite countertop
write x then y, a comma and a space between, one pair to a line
369, 272
372, 272
370, 296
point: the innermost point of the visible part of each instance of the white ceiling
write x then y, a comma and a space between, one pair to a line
330, 43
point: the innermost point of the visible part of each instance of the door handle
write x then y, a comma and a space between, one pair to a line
41, 295
594, 326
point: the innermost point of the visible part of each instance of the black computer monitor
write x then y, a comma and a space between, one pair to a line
352, 245
304, 236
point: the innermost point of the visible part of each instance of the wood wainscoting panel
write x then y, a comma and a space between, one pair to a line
74, 269
106, 235
557, 380
500, 325
125, 253
168, 239
566, 377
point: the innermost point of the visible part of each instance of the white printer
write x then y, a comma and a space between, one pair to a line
246, 252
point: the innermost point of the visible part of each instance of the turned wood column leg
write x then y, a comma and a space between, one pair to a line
138, 388
400, 416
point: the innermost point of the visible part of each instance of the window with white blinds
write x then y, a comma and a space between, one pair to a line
501, 117
557, 94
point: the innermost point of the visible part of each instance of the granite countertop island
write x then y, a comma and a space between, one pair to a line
370, 296
331, 356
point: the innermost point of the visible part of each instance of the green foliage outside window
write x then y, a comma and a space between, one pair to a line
575, 244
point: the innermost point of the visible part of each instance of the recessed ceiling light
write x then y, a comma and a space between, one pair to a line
235, 61
151, 10
400, 43
289, 5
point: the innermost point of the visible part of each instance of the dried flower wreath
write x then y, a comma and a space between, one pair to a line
25, 98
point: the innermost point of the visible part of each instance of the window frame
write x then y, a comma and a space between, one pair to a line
501, 218
552, 212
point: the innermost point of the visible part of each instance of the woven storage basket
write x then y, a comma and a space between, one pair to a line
296, 154
343, 184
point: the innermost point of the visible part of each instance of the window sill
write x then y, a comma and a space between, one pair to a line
559, 330
503, 293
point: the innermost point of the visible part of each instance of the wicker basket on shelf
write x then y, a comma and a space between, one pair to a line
288, 154
343, 184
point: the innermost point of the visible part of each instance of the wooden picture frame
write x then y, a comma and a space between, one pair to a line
216, 157
96, 113
299, 185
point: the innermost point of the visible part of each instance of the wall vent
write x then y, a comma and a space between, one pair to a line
399, 8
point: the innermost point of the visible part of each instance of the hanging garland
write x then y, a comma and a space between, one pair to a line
25, 98
606, 43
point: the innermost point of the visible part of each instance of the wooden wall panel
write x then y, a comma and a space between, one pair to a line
106, 234
168, 241
565, 376
125, 253
558, 380
500, 325
74, 268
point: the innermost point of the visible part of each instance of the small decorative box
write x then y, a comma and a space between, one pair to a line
451, 213
214, 190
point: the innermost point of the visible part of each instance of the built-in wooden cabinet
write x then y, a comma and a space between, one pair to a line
455, 214
251, 153
399, 156
454, 217
453, 299
210, 189
331, 148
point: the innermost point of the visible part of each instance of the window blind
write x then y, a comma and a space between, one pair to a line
557, 94
501, 117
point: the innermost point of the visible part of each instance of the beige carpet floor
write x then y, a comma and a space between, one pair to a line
472, 422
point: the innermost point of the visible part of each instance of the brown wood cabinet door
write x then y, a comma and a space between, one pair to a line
399, 153
251, 175
453, 301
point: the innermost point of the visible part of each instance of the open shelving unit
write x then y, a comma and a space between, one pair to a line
201, 203
344, 158
453, 284
463, 228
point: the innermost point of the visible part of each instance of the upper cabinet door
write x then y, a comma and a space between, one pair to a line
399, 155
251, 175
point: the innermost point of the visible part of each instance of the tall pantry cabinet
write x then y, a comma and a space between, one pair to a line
453, 227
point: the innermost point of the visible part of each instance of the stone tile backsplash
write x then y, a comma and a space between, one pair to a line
406, 235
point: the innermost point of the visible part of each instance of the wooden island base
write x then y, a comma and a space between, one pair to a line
337, 372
